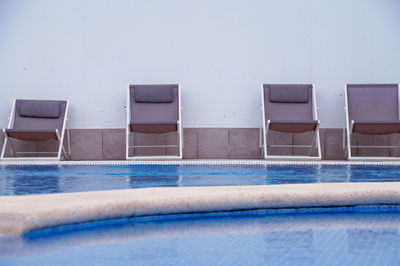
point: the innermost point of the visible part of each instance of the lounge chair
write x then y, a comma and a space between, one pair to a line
289, 109
153, 109
371, 109
33, 121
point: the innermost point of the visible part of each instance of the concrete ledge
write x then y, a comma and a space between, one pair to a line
21, 214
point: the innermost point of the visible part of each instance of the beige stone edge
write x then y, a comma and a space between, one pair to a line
21, 214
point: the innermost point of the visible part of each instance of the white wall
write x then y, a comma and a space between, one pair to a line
220, 51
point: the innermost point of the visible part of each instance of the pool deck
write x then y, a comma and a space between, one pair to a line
21, 214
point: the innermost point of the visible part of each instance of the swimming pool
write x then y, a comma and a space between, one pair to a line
37, 179
199, 214
249, 238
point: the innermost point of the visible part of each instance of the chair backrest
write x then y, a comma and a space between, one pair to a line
154, 103
290, 102
39, 114
372, 102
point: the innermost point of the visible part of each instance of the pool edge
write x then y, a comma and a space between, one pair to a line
22, 214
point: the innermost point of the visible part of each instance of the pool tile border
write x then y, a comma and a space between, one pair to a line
201, 162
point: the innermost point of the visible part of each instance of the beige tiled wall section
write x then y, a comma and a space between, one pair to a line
86, 144
113, 144
210, 143
190, 143
213, 143
333, 144
31, 147
45, 146
368, 140
244, 143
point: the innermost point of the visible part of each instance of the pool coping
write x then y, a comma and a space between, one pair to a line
202, 162
22, 214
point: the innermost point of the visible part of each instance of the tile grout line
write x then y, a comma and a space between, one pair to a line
229, 143
102, 143
197, 143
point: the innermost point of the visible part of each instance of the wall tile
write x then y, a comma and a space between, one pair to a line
40, 146
277, 138
48, 146
172, 139
371, 140
333, 144
304, 139
86, 144
142, 139
114, 144
307, 139
206, 143
52, 146
22, 146
189, 143
244, 143
213, 143
395, 140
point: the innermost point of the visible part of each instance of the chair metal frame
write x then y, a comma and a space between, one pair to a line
265, 129
61, 150
349, 132
155, 157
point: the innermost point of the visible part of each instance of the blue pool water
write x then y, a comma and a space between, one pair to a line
20, 180
294, 239
250, 238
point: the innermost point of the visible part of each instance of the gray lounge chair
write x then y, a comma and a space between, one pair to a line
371, 109
289, 108
36, 120
153, 109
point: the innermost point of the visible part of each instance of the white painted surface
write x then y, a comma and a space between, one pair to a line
220, 51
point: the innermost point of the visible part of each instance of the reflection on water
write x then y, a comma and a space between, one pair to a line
384, 243
302, 239
278, 242
18, 180
41, 183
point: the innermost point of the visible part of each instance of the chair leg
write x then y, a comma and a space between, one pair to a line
265, 137
13, 153
260, 143
312, 143
179, 143
344, 139
348, 144
69, 143
64, 152
133, 144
